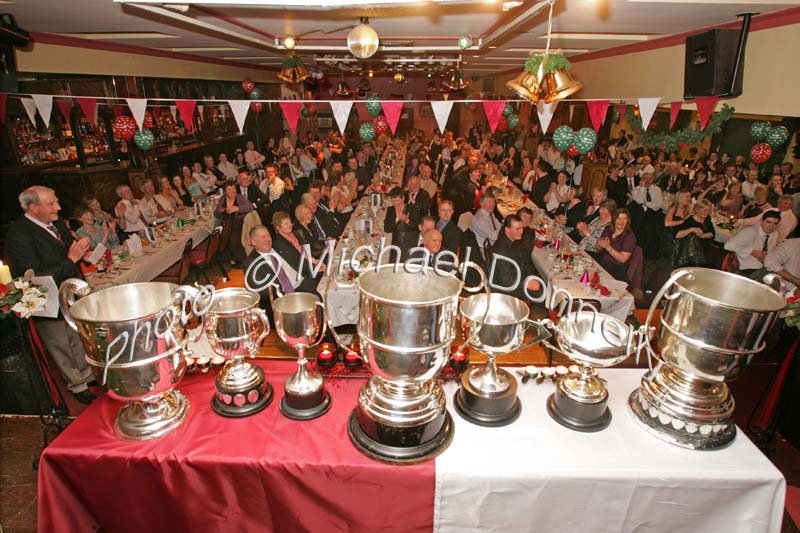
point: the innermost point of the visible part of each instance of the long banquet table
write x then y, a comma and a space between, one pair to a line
268, 473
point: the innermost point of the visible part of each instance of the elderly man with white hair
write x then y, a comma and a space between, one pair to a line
129, 211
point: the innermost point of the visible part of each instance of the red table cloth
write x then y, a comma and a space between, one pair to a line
259, 473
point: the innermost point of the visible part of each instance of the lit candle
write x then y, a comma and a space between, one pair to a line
326, 356
5, 274
352, 360
460, 360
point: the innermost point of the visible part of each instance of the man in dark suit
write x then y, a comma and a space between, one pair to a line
508, 245
451, 233
528, 239
672, 180
401, 221
42, 243
543, 180
418, 198
631, 181
251, 191
325, 216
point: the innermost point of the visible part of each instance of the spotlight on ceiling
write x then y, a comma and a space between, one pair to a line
464, 42
363, 41
289, 43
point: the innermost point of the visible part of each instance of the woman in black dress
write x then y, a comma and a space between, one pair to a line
692, 236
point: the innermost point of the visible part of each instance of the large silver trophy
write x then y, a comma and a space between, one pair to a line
488, 395
235, 327
300, 323
712, 324
406, 324
592, 340
135, 341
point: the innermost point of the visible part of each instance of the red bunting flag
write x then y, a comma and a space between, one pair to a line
186, 109
674, 108
3, 102
66, 108
88, 106
494, 109
597, 111
705, 106
118, 110
291, 112
622, 109
392, 110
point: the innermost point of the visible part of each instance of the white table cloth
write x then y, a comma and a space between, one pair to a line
535, 475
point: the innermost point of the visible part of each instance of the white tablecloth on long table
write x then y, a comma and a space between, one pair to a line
535, 475
157, 258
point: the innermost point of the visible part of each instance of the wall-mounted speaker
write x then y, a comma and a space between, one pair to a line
710, 64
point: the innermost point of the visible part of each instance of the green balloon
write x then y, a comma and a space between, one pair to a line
513, 121
304, 112
367, 131
777, 136
374, 106
759, 130
144, 139
585, 140
255, 94
563, 137
508, 110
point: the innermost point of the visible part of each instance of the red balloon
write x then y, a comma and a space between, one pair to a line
760, 153
124, 127
248, 85
257, 107
380, 124
311, 108
572, 151
148, 120
502, 123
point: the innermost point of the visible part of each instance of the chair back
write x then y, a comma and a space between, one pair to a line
251, 220
226, 236
213, 245
185, 262
730, 263
465, 221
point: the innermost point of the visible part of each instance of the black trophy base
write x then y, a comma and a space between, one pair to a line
306, 406
494, 411
401, 445
584, 417
240, 404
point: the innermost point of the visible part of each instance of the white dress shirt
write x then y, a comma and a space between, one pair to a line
273, 189
253, 158
229, 170
786, 256
132, 220
485, 227
207, 182
748, 239
785, 226
149, 208
749, 189
656, 198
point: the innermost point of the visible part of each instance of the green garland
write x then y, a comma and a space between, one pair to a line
293, 61
672, 140
555, 61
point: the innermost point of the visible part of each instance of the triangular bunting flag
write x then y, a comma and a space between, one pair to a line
622, 109
674, 108
119, 109
597, 112
30, 108
138, 106
647, 106
173, 109
494, 109
441, 110
186, 109
291, 112
446, 96
3, 102
341, 112
705, 106
392, 110
239, 108
66, 108
44, 103
545, 112
571, 109
89, 107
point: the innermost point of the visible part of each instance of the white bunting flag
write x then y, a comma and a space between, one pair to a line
571, 109
173, 109
341, 112
138, 106
545, 112
441, 110
44, 103
30, 108
647, 106
239, 108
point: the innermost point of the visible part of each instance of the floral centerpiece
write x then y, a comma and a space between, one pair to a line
21, 297
792, 317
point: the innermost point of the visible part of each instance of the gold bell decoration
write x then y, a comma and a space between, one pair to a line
526, 85
344, 90
294, 70
455, 82
558, 85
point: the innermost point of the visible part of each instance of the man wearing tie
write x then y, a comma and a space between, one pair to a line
251, 191
484, 225
418, 198
647, 202
39, 241
317, 229
752, 243
451, 233
631, 182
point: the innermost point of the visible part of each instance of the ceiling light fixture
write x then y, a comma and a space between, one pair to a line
363, 41
289, 43
464, 42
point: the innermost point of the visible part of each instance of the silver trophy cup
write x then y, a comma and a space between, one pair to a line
488, 395
300, 323
135, 341
235, 327
712, 324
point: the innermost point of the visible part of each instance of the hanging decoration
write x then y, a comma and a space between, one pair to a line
124, 127
341, 112
399, 77
705, 106
363, 87
380, 125
304, 112
291, 112
585, 140
366, 131
647, 106
255, 94
363, 41
597, 112
89, 107
344, 90
759, 130
44, 103
374, 106
508, 110
257, 107
441, 110
563, 137
674, 109
431, 86
494, 110
502, 123
454, 83
671, 140
144, 139
777, 136
30, 108
66, 109
248, 85
760, 153
137, 107
513, 121
293, 71
572, 151
148, 122
392, 110
239, 108
545, 113
186, 110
